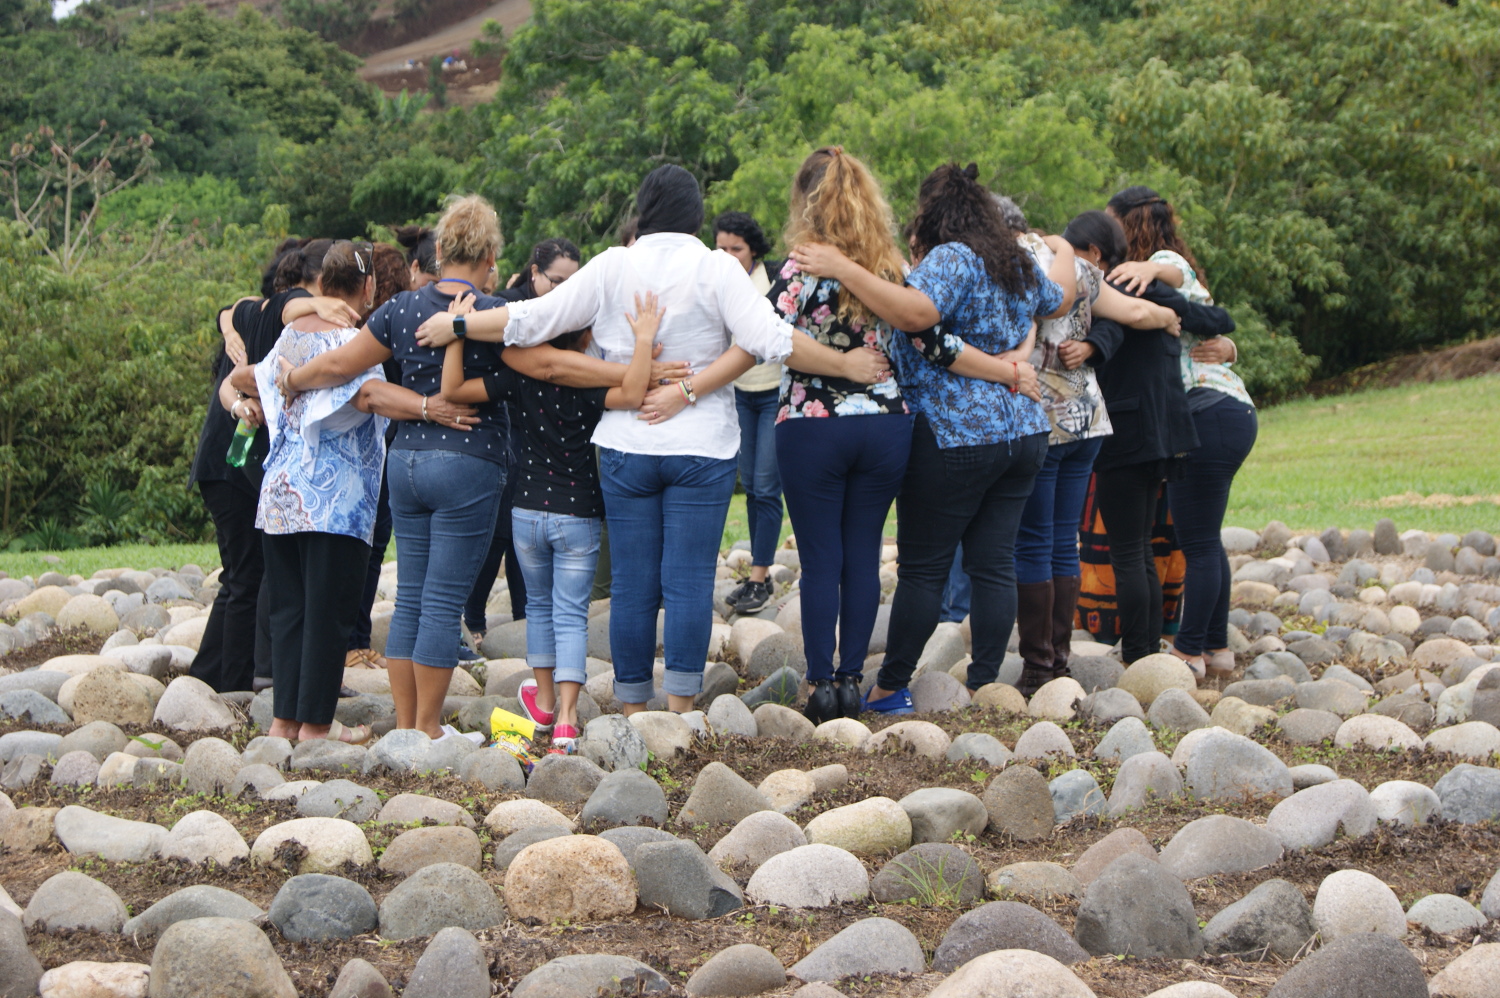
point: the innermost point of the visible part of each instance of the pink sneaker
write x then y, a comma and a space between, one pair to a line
563, 737
543, 718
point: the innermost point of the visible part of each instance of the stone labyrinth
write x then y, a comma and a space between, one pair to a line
1322, 826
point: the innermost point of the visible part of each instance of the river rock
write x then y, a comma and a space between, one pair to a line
593, 974
1351, 901
575, 878
1363, 965
1274, 918
1020, 803
745, 969
191, 705
1127, 737
510, 816
625, 797
197, 901
565, 779
612, 743
1446, 914
20, 970
203, 836
452, 966
759, 836
869, 827
329, 844
1146, 678
1219, 844
1141, 777
869, 946
930, 873
1003, 925
810, 876
117, 840
71, 900
1137, 907
937, 814
1042, 881
1012, 973
232, 953
1405, 802
1097, 857
1471, 975
981, 746
921, 738
1313, 817
1469, 794
720, 796
316, 907
678, 878
438, 896
1224, 765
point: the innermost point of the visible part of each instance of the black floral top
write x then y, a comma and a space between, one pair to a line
811, 304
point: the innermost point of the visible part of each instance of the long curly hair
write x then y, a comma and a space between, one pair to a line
954, 207
837, 200
1150, 225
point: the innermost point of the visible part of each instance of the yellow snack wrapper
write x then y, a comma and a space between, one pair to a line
515, 734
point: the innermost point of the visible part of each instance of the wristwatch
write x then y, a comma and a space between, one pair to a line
460, 326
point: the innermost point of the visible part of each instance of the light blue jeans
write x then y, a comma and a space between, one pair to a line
443, 505
558, 554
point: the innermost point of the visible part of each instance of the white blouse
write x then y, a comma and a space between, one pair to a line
707, 306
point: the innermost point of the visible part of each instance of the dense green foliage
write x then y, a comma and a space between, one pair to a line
1334, 163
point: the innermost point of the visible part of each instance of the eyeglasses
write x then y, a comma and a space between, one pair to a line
554, 281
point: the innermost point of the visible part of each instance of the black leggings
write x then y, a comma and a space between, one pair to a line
968, 495
1127, 498
316, 582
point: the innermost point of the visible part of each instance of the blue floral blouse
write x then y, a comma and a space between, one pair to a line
966, 412
323, 470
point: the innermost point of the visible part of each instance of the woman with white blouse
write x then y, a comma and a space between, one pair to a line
667, 472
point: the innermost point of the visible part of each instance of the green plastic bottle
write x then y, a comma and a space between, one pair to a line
239, 447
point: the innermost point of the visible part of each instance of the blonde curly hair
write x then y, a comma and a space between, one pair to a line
469, 231
837, 200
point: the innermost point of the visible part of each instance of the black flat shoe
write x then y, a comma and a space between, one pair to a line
822, 702
851, 701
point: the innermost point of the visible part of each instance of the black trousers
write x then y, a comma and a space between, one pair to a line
969, 495
502, 545
226, 657
1127, 499
360, 636
316, 582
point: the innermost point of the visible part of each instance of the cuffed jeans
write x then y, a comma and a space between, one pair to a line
844, 472
969, 495
1047, 542
558, 553
443, 504
666, 521
1227, 433
759, 474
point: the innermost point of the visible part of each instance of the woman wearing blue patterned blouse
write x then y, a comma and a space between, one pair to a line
841, 473
317, 510
976, 445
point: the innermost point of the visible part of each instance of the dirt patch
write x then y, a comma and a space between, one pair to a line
75, 642
1467, 360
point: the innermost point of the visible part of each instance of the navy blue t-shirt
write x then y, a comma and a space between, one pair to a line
395, 324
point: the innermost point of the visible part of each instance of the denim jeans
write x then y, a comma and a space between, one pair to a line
957, 594
1047, 543
502, 547
843, 474
443, 506
666, 521
557, 552
968, 495
1227, 433
758, 470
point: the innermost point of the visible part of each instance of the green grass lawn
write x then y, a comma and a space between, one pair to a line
1347, 460
1342, 461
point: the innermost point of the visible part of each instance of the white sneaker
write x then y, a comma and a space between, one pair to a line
449, 731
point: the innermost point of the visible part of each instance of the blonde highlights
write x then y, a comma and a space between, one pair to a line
469, 231
837, 200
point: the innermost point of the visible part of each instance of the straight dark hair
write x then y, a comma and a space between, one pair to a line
669, 200
954, 207
1101, 230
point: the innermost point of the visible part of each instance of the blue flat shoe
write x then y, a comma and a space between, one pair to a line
898, 702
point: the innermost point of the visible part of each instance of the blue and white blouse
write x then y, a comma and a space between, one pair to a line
323, 470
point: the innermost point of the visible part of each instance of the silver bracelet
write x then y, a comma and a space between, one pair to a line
425, 418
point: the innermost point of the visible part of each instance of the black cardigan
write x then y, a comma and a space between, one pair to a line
1141, 379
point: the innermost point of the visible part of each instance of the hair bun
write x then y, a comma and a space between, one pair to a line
972, 171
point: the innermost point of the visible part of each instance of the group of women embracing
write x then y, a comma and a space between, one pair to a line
977, 387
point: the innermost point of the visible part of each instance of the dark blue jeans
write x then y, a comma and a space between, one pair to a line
957, 594
759, 474
1047, 543
1227, 433
841, 475
443, 504
502, 546
666, 521
968, 495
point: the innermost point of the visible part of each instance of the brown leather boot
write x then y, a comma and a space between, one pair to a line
1034, 625
1064, 603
